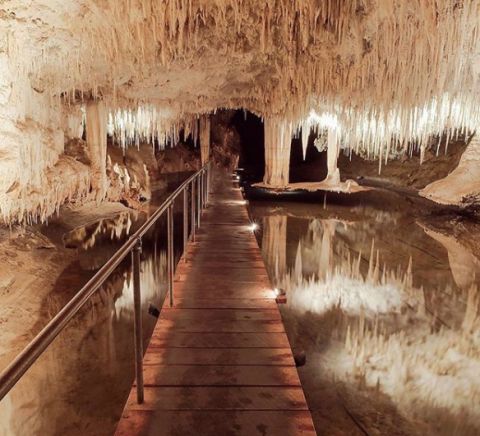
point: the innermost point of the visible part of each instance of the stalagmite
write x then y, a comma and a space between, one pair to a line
204, 138
96, 128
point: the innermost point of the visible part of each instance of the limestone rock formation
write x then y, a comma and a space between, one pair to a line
462, 185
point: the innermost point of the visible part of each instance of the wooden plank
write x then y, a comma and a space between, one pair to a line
224, 293
220, 375
230, 290
219, 340
226, 315
219, 398
208, 422
219, 356
227, 279
212, 325
203, 302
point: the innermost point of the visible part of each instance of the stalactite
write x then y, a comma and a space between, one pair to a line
204, 138
130, 126
331, 51
368, 68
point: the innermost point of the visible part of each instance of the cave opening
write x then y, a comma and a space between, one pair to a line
311, 167
252, 142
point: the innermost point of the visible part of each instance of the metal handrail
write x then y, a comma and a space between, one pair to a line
19, 366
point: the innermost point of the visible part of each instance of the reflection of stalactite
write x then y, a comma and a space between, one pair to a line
432, 371
274, 244
340, 283
153, 275
383, 333
114, 229
326, 250
465, 266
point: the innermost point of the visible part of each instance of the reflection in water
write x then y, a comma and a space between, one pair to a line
116, 228
153, 274
81, 383
274, 243
464, 265
375, 323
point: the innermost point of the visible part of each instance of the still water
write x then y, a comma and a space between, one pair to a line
80, 384
383, 301
385, 305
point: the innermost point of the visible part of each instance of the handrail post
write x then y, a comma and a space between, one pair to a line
208, 181
203, 189
192, 201
200, 182
137, 303
185, 222
170, 254
199, 206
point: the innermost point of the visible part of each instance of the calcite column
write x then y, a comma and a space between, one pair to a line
204, 138
278, 141
96, 130
333, 176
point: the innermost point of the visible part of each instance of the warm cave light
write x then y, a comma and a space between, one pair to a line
325, 120
253, 227
240, 202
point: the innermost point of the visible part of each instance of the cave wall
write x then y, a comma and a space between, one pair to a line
35, 176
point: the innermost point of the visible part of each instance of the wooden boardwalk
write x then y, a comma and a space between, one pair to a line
219, 362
